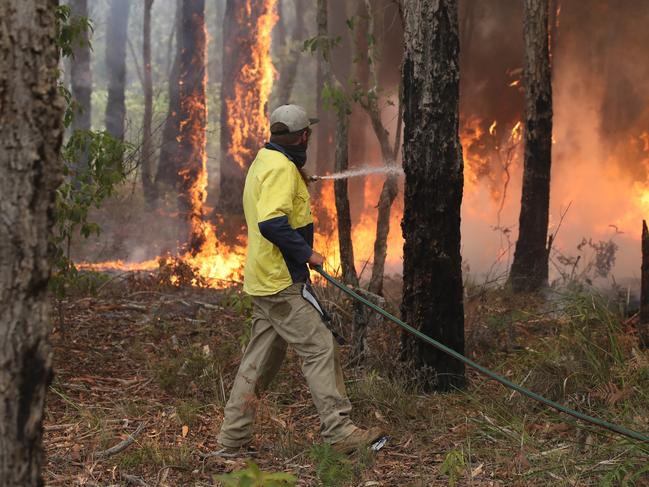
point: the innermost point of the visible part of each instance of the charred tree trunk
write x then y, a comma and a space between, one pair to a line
116, 34
643, 325
343, 213
30, 143
247, 80
529, 270
81, 73
288, 71
192, 177
167, 168
147, 146
432, 265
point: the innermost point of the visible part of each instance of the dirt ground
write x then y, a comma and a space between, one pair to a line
157, 362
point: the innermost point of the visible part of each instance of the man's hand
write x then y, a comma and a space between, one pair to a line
316, 259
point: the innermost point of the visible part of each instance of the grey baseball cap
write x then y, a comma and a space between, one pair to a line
293, 116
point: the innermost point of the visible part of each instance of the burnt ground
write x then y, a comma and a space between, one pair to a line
138, 356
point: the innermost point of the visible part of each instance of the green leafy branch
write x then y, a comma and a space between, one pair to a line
71, 30
93, 164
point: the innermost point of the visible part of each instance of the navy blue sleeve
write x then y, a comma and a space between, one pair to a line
278, 231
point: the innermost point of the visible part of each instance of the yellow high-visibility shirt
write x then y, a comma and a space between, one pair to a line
280, 226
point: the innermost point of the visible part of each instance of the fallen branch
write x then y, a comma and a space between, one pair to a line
122, 445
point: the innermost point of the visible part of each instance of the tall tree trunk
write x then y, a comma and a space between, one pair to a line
30, 142
432, 264
388, 153
246, 85
167, 169
343, 214
147, 146
81, 73
288, 71
192, 175
530, 267
116, 35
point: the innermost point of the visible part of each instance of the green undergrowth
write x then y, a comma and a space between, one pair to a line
195, 371
334, 469
576, 348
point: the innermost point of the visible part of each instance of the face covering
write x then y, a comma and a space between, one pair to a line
296, 153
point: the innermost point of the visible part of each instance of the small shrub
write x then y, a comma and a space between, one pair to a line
193, 373
332, 468
453, 466
252, 476
188, 412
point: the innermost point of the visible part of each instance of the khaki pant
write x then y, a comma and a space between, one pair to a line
286, 317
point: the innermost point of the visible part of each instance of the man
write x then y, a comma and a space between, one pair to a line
280, 239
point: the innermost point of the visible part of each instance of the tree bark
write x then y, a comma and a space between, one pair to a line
643, 325
147, 146
247, 80
529, 270
116, 35
30, 142
191, 182
167, 169
432, 266
81, 73
288, 71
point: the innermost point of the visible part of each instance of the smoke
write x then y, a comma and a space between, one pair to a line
601, 129
601, 119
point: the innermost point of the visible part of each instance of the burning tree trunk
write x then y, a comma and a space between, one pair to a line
530, 267
246, 86
643, 326
289, 67
167, 169
146, 159
432, 266
116, 34
81, 73
30, 142
192, 117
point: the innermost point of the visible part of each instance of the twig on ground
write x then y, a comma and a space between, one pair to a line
121, 446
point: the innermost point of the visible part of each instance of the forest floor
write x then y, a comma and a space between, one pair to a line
136, 356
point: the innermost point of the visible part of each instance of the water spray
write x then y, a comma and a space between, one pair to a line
360, 171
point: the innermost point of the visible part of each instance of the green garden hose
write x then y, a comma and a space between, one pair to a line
584, 417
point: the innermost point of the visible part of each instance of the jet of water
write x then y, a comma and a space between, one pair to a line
361, 171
